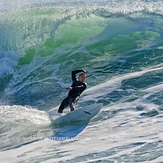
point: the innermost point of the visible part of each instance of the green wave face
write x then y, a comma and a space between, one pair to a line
47, 43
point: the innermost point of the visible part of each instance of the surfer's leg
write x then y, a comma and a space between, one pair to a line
71, 105
63, 105
73, 101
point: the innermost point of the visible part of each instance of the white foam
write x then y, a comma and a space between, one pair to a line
18, 113
115, 83
8, 61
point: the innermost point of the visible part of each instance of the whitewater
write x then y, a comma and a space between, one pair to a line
120, 43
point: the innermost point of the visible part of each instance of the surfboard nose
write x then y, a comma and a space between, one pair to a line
99, 104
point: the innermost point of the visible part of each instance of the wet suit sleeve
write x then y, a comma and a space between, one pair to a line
73, 74
80, 87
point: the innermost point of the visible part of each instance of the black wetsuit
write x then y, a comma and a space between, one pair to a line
74, 94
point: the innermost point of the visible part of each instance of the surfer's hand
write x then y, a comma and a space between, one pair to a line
85, 71
69, 88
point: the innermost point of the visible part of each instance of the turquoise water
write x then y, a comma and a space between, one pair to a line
121, 46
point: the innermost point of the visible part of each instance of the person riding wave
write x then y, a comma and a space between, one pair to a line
77, 87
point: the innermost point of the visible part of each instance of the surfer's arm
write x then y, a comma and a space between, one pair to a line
69, 88
81, 87
73, 74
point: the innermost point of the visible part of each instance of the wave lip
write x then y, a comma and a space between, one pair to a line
114, 6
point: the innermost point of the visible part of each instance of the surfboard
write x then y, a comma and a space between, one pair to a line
81, 114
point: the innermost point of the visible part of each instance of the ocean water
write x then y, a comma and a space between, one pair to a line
120, 43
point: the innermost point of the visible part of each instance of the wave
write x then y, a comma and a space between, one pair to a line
40, 46
118, 42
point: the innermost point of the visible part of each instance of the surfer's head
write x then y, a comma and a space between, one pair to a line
82, 77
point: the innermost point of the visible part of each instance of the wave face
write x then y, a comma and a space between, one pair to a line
120, 43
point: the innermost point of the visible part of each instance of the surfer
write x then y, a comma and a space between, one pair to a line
77, 87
